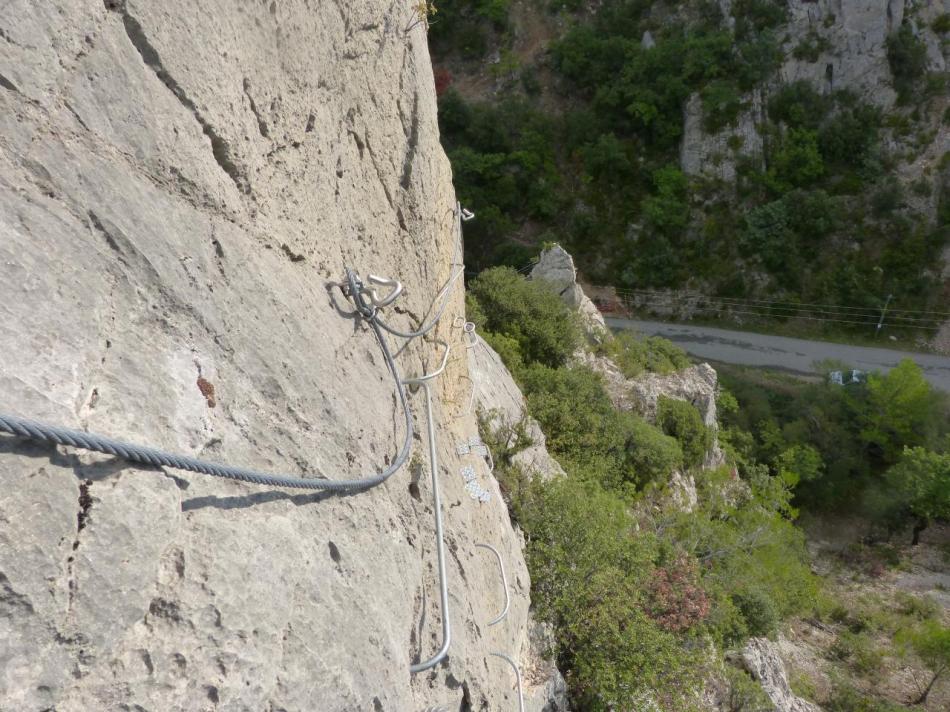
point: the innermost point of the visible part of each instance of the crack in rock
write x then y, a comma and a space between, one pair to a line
261, 123
220, 148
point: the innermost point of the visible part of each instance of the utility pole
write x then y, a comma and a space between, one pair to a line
880, 322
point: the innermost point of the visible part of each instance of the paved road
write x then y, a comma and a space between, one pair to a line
797, 355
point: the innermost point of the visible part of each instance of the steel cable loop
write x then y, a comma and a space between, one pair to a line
43, 432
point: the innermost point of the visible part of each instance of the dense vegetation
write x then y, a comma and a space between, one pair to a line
634, 591
878, 448
584, 149
635, 586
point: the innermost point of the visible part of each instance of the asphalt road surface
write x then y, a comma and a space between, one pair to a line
796, 355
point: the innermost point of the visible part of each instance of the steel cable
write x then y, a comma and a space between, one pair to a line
43, 432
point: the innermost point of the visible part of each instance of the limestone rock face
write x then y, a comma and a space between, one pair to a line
848, 43
854, 33
760, 657
716, 154
179, 182
556, 267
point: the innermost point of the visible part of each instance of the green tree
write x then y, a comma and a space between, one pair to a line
590, 570
768, 236
795, 162
528, 312
682, 421
667, 211
919, 485
799, 463
931, 642
907, 55
898, 411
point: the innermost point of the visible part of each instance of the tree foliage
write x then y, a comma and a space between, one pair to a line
899, 410
682, 421
528, 312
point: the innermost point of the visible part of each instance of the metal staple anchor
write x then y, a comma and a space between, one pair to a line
396, 290
504, 582
514, 667
437, 507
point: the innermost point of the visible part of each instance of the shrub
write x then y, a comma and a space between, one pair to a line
675, 598
811, 47
757, 15
798, 105
846, 698
758, 611
507, 348
682, 421
722, 103
588, 571
635, 354
653, 455
850, 138
859, 650
795, 161
931, 642
545, 329
907, 55
753, 559
591, 438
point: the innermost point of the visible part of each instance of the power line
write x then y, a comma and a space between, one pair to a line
827, 319
622, 290
792, 311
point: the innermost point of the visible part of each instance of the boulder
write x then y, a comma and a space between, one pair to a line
761, 659
555, 266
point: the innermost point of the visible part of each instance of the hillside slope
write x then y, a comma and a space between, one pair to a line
786, 160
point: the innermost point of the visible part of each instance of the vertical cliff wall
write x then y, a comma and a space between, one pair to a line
178, 183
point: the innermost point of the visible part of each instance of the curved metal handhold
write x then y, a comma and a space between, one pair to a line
466, 214
439, 540
396, 290
437, 372
504, 583
514, 667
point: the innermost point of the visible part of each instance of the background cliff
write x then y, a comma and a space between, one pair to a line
179, 181
769, 155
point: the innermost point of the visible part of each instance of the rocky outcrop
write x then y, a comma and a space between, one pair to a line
696, 385
555, 266
179, 183
834, 45
761, 659
715, 155
849, 39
